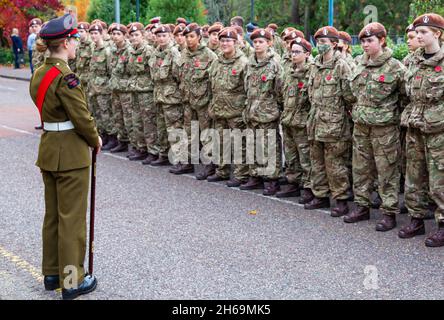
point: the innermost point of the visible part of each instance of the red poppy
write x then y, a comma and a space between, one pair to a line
160, 62
328, 77
264, 77
382, 78
139, 59
300, 85
233, 72
197, 63
418, 77
438, 68
122, 58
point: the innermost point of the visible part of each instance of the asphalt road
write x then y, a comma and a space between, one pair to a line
160, 236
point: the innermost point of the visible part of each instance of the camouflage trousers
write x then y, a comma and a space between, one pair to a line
205, 122
137, 138
119, 128
329, 169
149, 121
270, 166
297, 156
127, 101
424, 173
376, 156
101, 109
240, 171
169, 118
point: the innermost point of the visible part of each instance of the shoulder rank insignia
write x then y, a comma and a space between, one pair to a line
72, 80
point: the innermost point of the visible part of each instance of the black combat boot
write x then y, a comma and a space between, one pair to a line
292, 190
358, 214
317, 203
340, 210
415, 228
307, 196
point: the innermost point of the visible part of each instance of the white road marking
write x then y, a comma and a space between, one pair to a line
7, 88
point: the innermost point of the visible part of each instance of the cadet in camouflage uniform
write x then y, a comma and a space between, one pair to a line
213, 40
83, 54
144, 109
179, 38
264, 82
243, 44
378, 86
424, 118
328, 126
205, 35
38, 56
99, 90
344, 46
195, 63
119, 85
287, 62
227, 75
278, 43
167, 96
294, 122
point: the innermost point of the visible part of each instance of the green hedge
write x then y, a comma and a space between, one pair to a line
6, 56
399, 50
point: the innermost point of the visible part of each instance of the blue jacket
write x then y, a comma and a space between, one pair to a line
17, 45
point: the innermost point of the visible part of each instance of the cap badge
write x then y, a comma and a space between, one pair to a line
262, 33
426, 19
325, 31
368, 32
134, 28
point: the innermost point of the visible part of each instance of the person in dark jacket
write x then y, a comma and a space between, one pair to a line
17, 47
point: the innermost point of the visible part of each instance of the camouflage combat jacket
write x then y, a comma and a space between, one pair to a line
378, 87
263, 84
100, 70
119, 71
425, 88
330, 103
164, 68
195, 76
138, 68
295, 94
227, 86
83, 59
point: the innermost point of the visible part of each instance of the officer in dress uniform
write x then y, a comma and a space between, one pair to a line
64, 160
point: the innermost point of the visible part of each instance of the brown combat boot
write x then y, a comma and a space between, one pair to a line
386, 223
358, 214
415, 228
291, 191
436, 239
150, 158
121, 147
317, 203
161, 161
340, 210
271, 188
307, 196
252, 184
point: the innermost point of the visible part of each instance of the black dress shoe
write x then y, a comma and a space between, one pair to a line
51, 282
317, 203
88, 285
182, 169
40, 127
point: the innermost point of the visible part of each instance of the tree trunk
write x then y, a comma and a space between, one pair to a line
307, 21
295, 17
